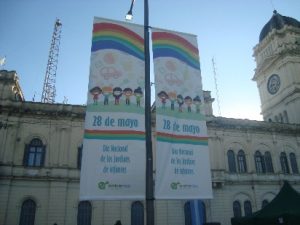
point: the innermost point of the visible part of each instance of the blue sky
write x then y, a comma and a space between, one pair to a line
226, 30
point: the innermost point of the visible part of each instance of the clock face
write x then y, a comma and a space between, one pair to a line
273, 84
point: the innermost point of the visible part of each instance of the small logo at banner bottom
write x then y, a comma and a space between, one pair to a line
178, 185
103, 185
174, 185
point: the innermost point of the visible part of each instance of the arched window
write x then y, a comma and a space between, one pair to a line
231, 161
241, 162
203, 212
187, 214
284, 163
294, 163
18, 97
27, 212
137, 213
237, 211
280, 118
268, 162
79, 156
34, 154
285, 116
84, 214
247, 208
264, 203
194, 210
259, 162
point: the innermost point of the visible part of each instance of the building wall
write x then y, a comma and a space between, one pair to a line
249, 136
55, 186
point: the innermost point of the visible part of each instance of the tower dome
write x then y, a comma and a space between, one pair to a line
277, 22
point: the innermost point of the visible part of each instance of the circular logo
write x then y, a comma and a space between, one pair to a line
174, 185
102, 185
273, 84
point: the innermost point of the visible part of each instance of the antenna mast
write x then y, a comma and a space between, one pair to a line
216, 85
49, 90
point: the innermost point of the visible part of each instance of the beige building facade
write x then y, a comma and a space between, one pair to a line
41, 148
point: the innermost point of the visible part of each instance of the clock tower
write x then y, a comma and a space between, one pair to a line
277, 72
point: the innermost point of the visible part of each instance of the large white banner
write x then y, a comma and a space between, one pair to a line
113, 162
182, 156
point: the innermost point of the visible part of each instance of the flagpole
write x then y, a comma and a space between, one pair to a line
149, 154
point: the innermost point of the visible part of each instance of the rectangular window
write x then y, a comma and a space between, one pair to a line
34, 154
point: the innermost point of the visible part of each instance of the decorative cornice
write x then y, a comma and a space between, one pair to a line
78, 112
253, 125
286, 53
280, 33
42, 109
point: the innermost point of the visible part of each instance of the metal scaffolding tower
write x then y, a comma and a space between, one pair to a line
216, 85
49, 90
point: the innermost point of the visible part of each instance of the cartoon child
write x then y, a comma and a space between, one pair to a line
172, 97
106, 92
96, 91
138, 95
197, 102
117, 93
163, 97
180, 102
127, 92
188, 101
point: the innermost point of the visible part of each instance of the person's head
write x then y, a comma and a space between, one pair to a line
118, 222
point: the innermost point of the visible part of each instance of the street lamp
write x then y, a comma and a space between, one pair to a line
149, 155
129, 15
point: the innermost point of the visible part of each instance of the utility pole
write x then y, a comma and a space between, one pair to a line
149, 153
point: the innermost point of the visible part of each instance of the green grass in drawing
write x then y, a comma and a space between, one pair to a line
111, 107
165, 111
